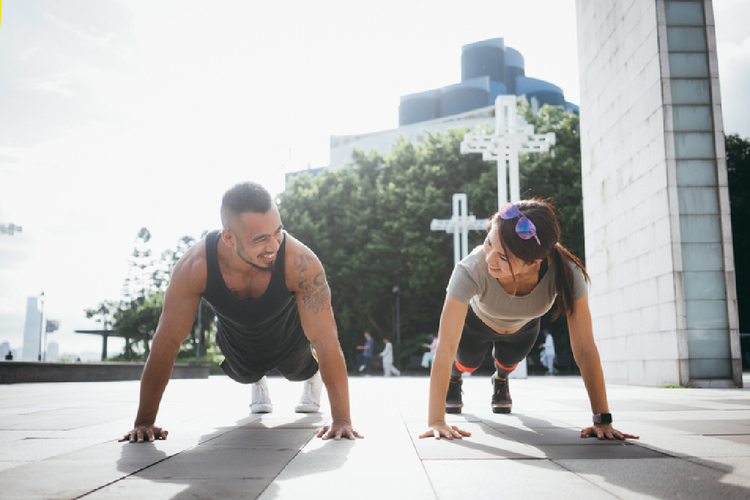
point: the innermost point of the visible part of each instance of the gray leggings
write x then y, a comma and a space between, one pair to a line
509, 348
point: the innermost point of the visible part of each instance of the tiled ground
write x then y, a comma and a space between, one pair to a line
60, 441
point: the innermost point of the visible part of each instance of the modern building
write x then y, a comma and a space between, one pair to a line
488, 69
32, 331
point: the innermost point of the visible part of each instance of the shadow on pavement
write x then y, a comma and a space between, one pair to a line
241, 461
631, 466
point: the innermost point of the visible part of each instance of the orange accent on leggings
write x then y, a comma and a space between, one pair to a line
462, 368
510, 369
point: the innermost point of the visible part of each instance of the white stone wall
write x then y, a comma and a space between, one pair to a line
647, 177
630, 205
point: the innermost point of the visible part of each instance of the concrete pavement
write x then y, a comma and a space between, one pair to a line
59, 441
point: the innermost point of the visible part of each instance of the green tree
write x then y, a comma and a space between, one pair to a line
369, 223
738, 170
104, 313
136, 316
138, 283
137, 322
557, 175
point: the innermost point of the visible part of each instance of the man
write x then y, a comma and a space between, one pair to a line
364, 359
387, 355
271, 300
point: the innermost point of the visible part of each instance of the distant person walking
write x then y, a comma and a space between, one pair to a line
387, 355
364, 359
429, 356
548, 352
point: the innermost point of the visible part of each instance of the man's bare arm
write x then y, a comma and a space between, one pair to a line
316, 315
181, 302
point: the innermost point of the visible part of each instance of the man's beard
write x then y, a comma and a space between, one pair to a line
256, 266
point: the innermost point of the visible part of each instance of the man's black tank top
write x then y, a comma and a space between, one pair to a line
254, 335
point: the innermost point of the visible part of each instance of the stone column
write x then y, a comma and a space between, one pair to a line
656, 202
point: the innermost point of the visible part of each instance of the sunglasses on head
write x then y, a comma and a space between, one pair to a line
525, 229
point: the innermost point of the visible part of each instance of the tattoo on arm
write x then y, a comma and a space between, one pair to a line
317, 295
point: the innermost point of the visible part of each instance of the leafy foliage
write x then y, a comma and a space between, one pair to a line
136, 316
738, 170
557, 175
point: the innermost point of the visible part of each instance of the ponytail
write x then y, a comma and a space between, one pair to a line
564, 280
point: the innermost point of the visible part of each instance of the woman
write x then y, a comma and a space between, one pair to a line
497, 295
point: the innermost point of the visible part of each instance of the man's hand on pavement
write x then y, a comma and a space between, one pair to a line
148, 433
337, 430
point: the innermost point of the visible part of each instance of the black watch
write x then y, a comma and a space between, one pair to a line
603, 418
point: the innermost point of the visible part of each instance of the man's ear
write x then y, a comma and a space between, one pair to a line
228, 238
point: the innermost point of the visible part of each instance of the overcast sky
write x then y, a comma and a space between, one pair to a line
117, 115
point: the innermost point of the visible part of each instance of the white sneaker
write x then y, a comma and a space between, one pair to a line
310, 400
261, 402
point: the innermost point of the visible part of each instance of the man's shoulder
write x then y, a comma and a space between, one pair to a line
191, 270
295, 249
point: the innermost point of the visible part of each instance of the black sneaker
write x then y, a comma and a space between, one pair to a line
501, 402
453, 403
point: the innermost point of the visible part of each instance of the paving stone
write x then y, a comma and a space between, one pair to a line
656, 478
701, 446
484, 443
215, 463
383, 465
203, 489
487, 479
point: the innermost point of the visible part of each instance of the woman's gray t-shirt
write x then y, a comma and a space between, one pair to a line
471, 283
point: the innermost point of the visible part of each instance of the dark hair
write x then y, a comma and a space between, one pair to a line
542, 214
244, 197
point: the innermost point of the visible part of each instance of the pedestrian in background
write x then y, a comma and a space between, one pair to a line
387, 355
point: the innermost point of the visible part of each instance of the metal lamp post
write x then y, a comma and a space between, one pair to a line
397, 291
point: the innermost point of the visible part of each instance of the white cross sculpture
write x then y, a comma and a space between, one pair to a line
505, 144
459, 224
